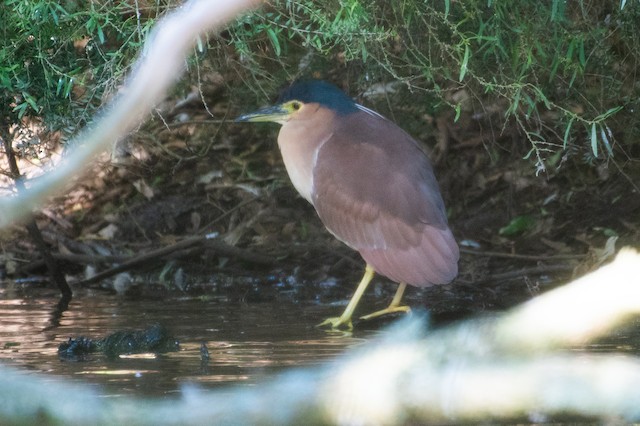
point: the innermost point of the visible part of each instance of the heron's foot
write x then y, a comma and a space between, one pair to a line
386, 311
337, 323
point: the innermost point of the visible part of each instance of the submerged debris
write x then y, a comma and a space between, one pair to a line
204, 352
153, 339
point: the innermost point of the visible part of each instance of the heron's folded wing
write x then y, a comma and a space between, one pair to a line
375, 190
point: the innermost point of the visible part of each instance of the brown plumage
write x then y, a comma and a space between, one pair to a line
377, 193
371, 184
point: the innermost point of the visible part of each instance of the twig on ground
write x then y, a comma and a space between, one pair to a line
523, 256
203, 242
536, 270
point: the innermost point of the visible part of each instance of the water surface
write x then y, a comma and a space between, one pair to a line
246, 342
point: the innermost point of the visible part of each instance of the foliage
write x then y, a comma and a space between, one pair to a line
565, 70
60, 60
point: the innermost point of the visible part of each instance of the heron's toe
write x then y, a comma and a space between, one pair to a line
386, 311
337, 323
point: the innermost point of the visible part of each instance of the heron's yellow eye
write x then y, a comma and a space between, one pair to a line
295, 105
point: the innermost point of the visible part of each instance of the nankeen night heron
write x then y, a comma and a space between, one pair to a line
371, 185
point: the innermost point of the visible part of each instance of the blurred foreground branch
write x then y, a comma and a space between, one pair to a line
497, 368
157, 69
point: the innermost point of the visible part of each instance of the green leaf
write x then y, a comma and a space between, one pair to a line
566, 134
528, 155
594, 140
608, 113
569, 53
54, 15
30, 100
554, 10
100, 34
536, 135
518, 225
458, 110
540, 95
573, 77
60, 86
446, 8
554, 68
465, 61
581, 55
21, 109
604, 136
90, 25
531, 105
68, 87
515, 103
274, 40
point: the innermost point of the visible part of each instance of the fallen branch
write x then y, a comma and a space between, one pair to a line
525, 272
532, 257
222, 249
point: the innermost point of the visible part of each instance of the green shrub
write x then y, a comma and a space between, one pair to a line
60, 60
566, 70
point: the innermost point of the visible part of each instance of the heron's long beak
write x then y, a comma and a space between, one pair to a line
277, 114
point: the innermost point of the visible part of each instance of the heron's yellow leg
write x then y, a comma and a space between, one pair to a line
393, 307
345, 318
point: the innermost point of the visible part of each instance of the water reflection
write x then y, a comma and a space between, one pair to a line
246, 342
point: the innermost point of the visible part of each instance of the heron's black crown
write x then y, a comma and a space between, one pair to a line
326, 94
